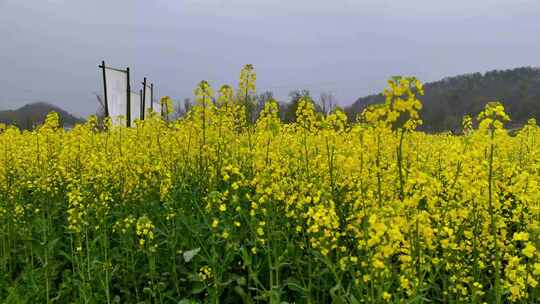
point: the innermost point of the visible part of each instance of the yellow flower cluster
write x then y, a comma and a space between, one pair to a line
167, 105
402, 104
145, 232
246, 85
205, 273
493, 116
125, 225
319, 209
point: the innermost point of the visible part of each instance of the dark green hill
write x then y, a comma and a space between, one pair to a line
31, 115
446, 101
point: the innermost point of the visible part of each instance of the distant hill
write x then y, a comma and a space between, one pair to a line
446, 101
31, 115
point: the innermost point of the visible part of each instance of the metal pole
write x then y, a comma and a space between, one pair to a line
102, 66
143, 99
152, 96
141, 104
128, 107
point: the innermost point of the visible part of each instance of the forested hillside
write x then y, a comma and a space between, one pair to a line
446, 101
31, 115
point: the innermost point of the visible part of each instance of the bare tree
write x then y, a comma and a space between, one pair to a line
178, 111
261, 100
100, 112
187, 105
327, 101
181, 108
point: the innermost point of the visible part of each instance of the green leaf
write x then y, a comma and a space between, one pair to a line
353, 299
198, 287
336, 298
245, 298
295, 285
241, 281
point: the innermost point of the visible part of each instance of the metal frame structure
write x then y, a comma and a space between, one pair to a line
141, 104
103, 67
128, 110
142, 92
147, 86
143, 96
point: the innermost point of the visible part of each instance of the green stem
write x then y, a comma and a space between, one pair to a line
400, 164
493, 223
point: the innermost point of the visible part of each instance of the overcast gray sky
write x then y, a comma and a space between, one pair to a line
50, 49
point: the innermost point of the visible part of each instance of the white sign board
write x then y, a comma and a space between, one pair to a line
135, 107
147, 100
116, 82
